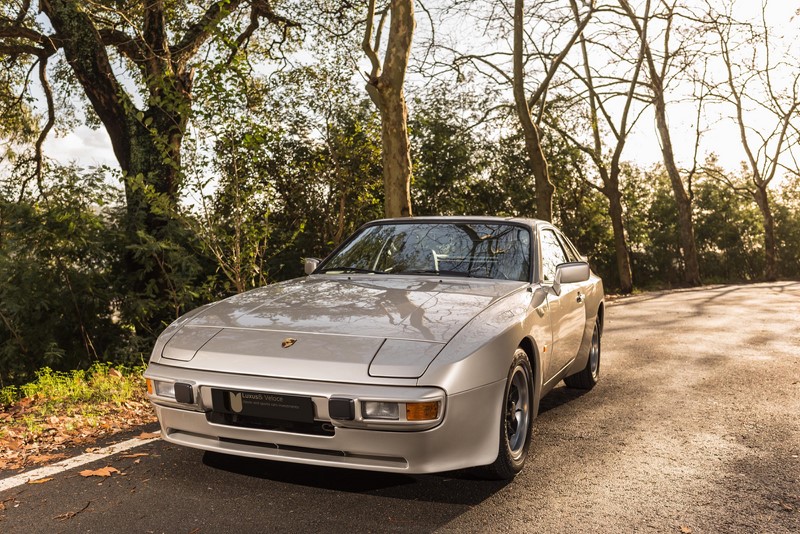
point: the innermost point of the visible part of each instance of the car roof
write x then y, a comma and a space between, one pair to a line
461, 218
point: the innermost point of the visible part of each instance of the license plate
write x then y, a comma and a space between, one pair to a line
264, 405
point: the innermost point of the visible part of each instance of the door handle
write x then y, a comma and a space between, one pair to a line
581, 297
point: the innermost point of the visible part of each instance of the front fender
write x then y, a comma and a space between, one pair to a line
480, 356
481, 352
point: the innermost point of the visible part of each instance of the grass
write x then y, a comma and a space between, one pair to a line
63, 391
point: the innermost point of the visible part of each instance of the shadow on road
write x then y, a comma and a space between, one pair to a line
465, 487
455, 487
559, 396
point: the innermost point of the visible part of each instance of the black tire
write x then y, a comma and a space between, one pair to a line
516, 420
587, 378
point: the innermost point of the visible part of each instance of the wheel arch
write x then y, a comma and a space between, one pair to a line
601, 316
529, 346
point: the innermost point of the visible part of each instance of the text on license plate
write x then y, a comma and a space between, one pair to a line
266, 405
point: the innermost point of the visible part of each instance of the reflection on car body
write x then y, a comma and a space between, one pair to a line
419, 345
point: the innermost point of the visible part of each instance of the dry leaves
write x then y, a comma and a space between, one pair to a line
12, 500
28, 438
686, 530
45, 458
102, 472
114, 373
70, 515
40, 481
148, 435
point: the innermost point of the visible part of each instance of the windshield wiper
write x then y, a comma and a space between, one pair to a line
437, 273
349, 270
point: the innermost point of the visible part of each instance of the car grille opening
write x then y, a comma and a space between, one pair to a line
325, 452
283, 452
317, 428
316, 452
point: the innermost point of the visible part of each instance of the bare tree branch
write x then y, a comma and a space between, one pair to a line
258, 10
556, 63
51, 119
366, 43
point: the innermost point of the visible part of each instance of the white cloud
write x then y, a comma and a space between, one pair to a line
83, 146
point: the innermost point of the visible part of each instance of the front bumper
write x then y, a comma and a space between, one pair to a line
466, 435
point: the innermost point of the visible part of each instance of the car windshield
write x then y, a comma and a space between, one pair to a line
480, 250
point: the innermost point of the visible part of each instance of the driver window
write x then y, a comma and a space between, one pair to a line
565, 244
552, 255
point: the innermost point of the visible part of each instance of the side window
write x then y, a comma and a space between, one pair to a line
565, 244
552, 255
569, 244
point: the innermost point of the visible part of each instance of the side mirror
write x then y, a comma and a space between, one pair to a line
570, 273
311, 265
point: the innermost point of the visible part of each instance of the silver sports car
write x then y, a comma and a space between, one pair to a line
419, 345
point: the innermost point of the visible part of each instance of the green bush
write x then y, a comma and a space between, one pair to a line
56, 294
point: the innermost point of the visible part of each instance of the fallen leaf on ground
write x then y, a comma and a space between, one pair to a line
3, 503
148, 435
114, 373
135, 455
33, 434
42, 458
70, 515
102, 472
686, 530
40, 481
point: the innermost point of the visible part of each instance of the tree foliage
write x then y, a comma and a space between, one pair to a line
57, 293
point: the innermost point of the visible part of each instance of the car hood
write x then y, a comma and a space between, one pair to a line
334, 328
396, 307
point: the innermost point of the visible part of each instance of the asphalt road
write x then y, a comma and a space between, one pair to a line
694, 427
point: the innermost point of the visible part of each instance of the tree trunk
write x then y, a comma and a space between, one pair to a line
386, 91
620, 245
656, 83
691, 275
770, 267
146, 145
538, 164
396, 157
153, 162
533, 139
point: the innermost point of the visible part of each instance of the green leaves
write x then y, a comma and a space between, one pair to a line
55, 301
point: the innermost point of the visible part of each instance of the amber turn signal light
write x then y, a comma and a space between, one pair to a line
149, 387
422, 411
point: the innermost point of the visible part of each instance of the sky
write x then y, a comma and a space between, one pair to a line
92, 147
721, 135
